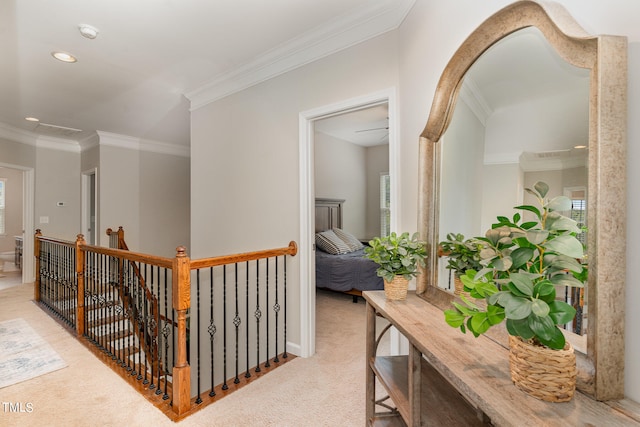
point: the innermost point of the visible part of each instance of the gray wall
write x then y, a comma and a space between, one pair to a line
340, 173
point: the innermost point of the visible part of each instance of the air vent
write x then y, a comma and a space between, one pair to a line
55, 130
551, 154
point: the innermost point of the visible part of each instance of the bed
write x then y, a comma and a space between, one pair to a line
340, 262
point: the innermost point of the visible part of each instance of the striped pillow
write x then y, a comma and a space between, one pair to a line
330, 243
351, 241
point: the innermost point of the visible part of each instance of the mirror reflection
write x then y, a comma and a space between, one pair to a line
522, 116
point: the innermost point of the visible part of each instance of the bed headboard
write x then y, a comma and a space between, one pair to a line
328, 214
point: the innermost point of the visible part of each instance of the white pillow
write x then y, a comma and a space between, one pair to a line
330, 243
351, 241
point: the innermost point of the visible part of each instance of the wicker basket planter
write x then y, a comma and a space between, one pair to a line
543, 373
458, 286
396, 289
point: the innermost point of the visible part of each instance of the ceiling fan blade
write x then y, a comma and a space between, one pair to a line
372, 129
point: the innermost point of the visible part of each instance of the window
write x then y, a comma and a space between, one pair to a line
385, 205
2, 197
578, 211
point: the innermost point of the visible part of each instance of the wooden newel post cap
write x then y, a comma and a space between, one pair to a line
38, 231
181, 252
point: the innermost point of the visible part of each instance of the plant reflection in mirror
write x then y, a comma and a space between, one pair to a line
523, 262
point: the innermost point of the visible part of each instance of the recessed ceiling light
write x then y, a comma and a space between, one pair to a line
579, 146
88, 31
31, 119
64, 57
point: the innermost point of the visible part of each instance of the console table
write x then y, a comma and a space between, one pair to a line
449, 378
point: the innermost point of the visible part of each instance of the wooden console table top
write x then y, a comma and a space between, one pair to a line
479, 369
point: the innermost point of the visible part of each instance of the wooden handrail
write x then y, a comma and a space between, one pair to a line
130, 256
292, 250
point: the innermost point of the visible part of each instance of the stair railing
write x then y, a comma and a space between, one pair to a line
79, 284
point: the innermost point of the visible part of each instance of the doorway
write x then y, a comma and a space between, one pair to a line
307, 121
89, 206
24, 226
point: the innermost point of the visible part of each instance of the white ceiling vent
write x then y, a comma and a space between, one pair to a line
55, 130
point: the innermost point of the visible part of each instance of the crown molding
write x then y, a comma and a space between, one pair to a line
139, 144
472, 96
36, 140
339, 34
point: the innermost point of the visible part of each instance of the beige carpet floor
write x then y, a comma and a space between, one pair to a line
324, 390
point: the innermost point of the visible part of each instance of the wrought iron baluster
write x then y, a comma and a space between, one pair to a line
276, 309
224, 327
266, 363
212, 331
258, 315
198, 400
284, 340
247, 372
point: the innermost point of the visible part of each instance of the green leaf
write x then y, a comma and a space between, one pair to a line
556, 341
520, 328
566, 280
521, 256
537, 236
539, 307
545, 291
562, 262
502, 264
558, 222
454, 318
542, 188
530, 208
516, 308
561, 312
495, 314
480, 323
565, 245
559, 203
543, 327
523, 282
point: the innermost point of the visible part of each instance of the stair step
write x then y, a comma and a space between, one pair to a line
106, 320
115, 335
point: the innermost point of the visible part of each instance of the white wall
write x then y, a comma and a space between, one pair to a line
431, 34
244, 155
147, 194
340, 173
57, 178
244, 147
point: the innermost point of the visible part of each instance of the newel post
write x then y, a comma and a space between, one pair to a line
121, 244
36, 254
181, 303
80, 255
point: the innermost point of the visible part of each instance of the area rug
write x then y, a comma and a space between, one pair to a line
24, 354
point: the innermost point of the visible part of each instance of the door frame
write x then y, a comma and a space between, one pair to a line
307, 197
86, 200
28, 220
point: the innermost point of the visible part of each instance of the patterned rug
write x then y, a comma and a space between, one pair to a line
24, 354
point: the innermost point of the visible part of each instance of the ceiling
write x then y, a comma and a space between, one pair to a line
366, 127
153, 60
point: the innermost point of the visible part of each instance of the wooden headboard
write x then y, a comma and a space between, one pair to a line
328, 214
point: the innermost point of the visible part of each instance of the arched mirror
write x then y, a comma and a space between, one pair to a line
490, 134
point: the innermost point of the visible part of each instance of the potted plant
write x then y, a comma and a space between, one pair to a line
462, 255
523, 262
398, 257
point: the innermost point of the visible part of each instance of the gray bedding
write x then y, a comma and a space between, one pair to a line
346, 272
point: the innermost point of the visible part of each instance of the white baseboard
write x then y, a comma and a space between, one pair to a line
294, 348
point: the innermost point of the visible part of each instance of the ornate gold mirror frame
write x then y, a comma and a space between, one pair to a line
601, 369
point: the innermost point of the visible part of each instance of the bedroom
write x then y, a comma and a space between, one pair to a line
352, 194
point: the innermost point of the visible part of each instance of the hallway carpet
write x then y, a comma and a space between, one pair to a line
327, 389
